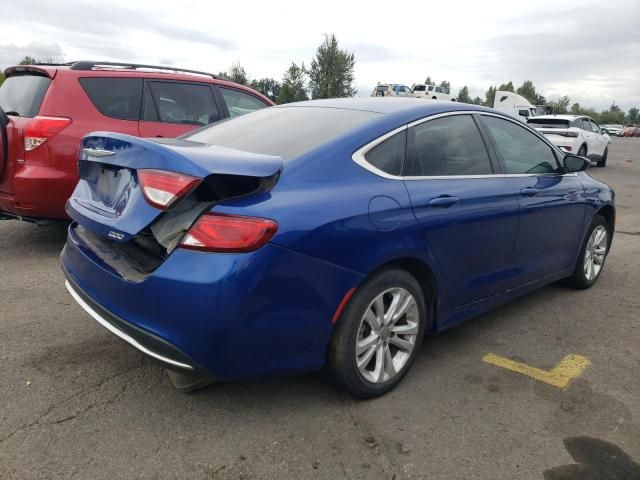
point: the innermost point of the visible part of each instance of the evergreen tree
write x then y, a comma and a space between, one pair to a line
331, 74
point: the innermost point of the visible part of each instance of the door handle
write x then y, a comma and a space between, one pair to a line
443, 201
529, 191
159, 136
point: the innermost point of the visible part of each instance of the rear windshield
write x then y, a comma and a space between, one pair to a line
22, 95
282, 131
548, 123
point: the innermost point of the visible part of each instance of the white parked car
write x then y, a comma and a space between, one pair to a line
391, 90
577, 134
614, 129
434, 92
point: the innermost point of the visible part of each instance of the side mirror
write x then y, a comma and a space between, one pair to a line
574, 163
604, 131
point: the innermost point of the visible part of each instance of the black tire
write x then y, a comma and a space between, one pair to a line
582, 152
579, 279
342, 356
603, 161
434, 98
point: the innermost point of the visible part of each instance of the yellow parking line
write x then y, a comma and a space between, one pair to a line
569, 368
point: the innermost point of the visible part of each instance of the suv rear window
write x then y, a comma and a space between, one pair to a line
548, 123
282, 131
22, 95
119, 98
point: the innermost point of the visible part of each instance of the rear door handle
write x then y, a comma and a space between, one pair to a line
443, 201
529, 191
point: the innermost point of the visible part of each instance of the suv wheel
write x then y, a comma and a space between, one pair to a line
603, 161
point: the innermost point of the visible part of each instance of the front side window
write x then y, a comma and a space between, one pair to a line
447, 146
181, 103
115, 97
239, 103
388, 156
521, 151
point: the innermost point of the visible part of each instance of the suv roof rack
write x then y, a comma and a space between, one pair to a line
90, 65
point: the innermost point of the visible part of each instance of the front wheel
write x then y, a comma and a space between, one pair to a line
603, 161
379, 334
593, 254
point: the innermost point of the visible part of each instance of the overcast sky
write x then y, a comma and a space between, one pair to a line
589, 50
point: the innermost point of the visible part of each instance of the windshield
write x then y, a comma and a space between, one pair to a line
22, 95
282, 131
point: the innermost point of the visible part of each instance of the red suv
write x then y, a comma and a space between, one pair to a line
49, 108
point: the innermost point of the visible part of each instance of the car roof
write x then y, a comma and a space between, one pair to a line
559, 117
163, 73
389, 105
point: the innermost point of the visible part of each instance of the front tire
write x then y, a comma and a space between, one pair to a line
603, 161
593, 254
379, 334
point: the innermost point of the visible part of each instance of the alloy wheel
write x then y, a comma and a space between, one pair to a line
387, 335
595, 253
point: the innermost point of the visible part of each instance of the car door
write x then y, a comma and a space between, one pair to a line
171, 108
469, 218
4, 141
552, 205
240, 103
599, 140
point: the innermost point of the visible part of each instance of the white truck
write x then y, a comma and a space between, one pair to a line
514, 105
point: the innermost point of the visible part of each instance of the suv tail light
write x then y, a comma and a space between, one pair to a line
229, 233
162, 188
40, 129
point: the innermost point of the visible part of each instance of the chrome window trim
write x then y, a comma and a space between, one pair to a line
359, 155
130, 340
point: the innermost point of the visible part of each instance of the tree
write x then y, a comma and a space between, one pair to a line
477, 101
29, 61
267, 86
507, 87
562, 105
614, 107
428, 81
615, 116
633, 116
331, 74
237, 74
1, 78
490, 96
446, 86
575, 108
463, 95
293, 85
528, 91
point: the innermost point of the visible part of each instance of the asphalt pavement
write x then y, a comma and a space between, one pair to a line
76, 402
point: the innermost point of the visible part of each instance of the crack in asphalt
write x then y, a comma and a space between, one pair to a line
625, 232
37, 421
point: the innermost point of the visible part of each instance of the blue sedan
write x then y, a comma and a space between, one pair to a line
329, 233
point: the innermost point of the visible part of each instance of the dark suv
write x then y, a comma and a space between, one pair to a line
46, 110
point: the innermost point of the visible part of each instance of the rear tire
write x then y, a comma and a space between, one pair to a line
603, 161
378, 334
593, 253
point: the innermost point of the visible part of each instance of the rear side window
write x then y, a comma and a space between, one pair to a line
521, 151
282, 131
118, 98
183, 103
240, 103
448, 146
388, 156
22, 95
419, 88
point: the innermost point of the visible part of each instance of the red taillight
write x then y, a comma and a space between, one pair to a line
229, 233
161, 188
40, 129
